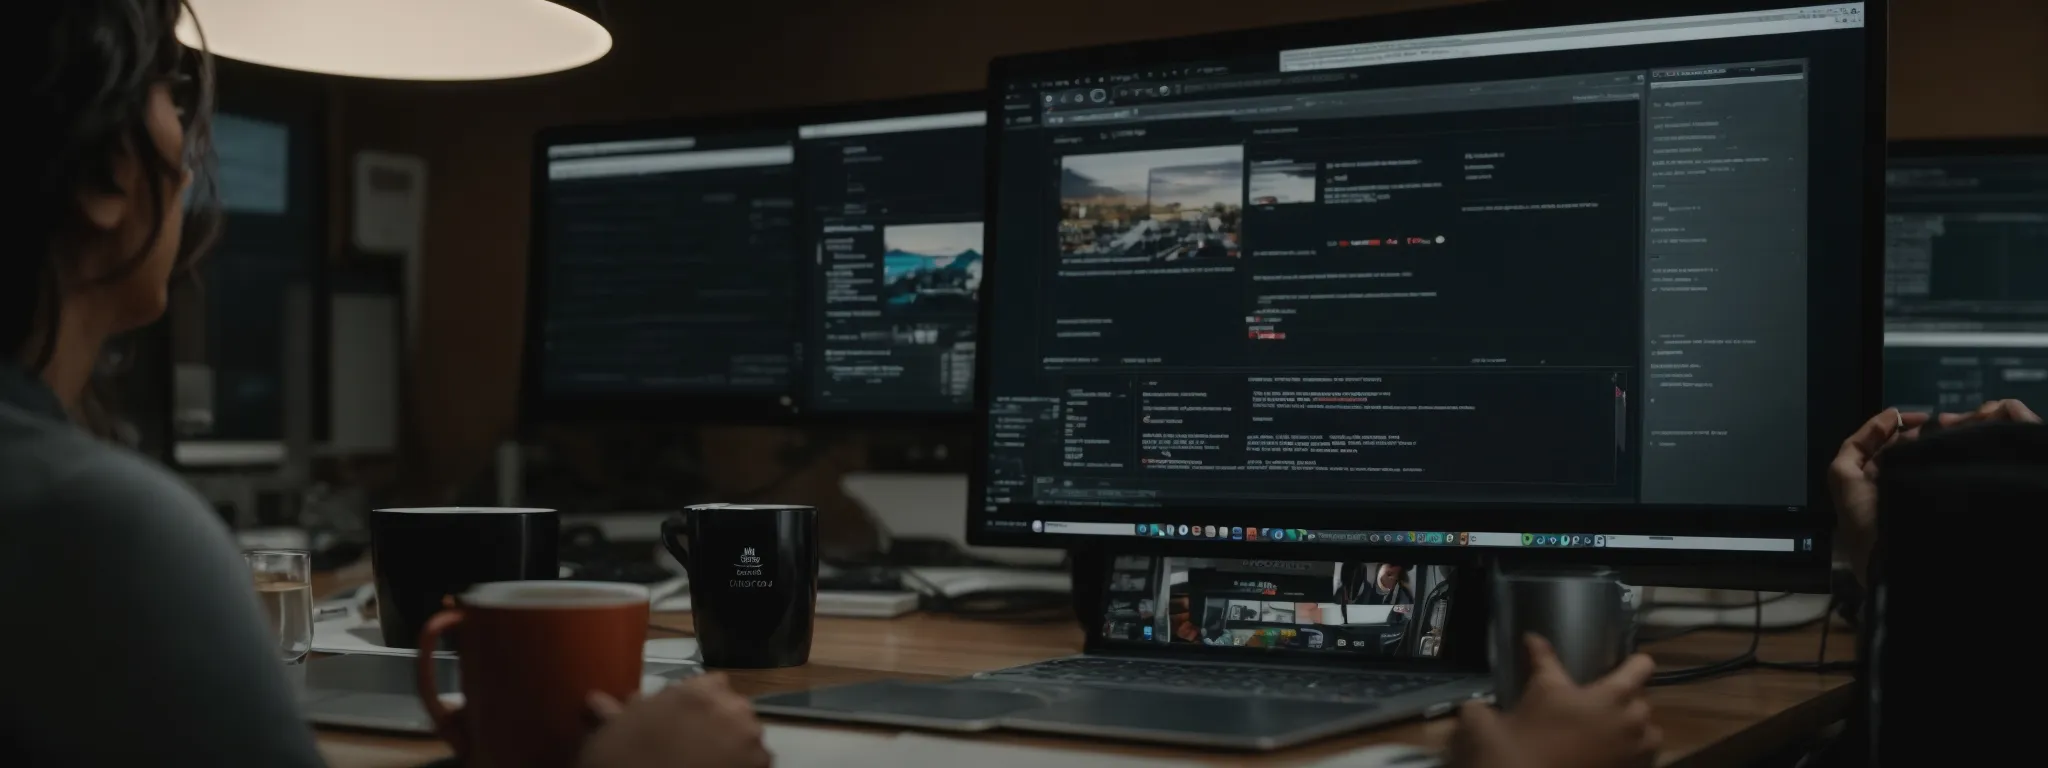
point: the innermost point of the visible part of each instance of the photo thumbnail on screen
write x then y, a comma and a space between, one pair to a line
1164, 205
1383, 609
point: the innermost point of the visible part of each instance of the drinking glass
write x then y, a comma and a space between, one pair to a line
284, 585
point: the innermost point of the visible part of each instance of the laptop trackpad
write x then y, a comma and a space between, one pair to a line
946, 706
1235, 721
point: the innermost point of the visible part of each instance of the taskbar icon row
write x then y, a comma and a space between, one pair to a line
1398, 538
1223, 532
1320, 537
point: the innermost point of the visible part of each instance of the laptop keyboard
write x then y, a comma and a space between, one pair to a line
1244, 680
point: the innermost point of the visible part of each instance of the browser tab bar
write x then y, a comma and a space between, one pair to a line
1605, 35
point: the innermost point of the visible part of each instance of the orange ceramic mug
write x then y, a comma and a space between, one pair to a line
531, 653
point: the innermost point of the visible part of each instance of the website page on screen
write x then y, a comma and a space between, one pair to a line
1373, 609
894, 219
670, 266
1564, 266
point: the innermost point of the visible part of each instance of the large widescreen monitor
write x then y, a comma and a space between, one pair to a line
1507, 276
664, 273
1966, 284
819, 263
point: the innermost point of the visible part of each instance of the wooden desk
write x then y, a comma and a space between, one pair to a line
1724, 721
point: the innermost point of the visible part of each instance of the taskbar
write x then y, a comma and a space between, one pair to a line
1491, 539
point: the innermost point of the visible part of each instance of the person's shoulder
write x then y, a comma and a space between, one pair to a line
57, 477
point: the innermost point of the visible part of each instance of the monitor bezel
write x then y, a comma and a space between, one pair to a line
788, 407
1831, 417
1975, 146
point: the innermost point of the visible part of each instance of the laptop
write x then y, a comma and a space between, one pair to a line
1215, 652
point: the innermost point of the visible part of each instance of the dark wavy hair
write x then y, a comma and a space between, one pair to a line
94, 64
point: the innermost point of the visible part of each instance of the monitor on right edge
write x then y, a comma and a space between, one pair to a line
1508, 275
1966, 273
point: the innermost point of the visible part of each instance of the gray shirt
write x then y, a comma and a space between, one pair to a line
133, 636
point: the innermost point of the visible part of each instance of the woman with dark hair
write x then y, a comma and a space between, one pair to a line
137, 638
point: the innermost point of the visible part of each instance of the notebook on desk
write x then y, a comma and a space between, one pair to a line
1244, 654
378, 692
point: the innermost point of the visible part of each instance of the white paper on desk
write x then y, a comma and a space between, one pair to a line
960, 581
1383, 756
359, 635
355, 634
796, 746
920, 749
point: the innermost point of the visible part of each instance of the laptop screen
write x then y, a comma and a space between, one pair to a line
1377, 609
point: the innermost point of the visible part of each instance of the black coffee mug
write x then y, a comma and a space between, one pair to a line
424, 554
1583, 612
753, 581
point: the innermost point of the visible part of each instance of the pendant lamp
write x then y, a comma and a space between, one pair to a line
400, 39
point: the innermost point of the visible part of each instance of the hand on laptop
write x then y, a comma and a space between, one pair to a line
1560, 724
697, 723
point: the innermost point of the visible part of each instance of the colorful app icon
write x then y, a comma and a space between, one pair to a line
1251, 534
1184, 530
1528, 539
1142, 529
1148, 631
1237, 533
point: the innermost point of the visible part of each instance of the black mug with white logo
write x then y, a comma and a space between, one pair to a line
753, 581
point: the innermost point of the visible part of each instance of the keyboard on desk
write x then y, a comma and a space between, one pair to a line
1242, 680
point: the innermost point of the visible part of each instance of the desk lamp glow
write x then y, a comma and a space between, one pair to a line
400, 39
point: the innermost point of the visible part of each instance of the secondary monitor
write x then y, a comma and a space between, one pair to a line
664, 275
1507, 276
1966, 285
892, 197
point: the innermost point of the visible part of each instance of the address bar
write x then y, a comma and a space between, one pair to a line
1606, 35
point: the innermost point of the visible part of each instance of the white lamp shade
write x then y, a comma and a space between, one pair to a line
399, 39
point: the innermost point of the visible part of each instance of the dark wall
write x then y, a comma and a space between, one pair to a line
1960, 67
